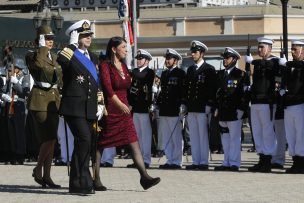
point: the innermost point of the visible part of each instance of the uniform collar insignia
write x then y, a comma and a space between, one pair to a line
80, 79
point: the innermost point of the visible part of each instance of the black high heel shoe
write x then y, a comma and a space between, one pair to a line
147, 183
50, 184
38, 180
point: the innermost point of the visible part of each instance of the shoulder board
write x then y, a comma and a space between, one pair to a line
67, 52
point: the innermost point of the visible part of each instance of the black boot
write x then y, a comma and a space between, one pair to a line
266, 166
257, 167
293, 168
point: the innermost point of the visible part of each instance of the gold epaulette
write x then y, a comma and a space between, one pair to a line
67, 52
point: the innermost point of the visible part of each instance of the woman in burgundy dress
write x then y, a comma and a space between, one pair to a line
118, 127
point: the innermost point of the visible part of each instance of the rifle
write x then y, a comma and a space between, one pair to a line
11, 109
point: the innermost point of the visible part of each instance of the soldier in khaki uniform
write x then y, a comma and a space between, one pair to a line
43, 102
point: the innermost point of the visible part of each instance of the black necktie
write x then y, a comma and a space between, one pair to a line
226, 74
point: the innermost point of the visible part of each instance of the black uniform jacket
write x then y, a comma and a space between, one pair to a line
170, 97
293, 79
79, 92
263, 81
231, 95
200, 87
140, 94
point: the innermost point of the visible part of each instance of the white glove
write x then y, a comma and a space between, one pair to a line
207, 109
130, 108
248, 59
240, 114
282, 92
6, 98
246, 88
153, 108
41, 41
182, 110
14, 80
154, 89
15, 98
100, 111
74, 38
282, 61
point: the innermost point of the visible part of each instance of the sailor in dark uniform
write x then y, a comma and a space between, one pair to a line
200, 89
231, 104
169, 102
293, 92
140, 99
262, 104
79, 102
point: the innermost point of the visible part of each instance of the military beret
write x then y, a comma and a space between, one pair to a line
144, 54
82, 27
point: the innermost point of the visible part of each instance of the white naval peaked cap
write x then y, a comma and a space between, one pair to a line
82, 27
173, 53
143, 53
297, 42
231, 52
198, 46
264, 40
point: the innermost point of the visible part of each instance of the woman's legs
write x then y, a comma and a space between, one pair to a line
48, 162
138, 160
44, 153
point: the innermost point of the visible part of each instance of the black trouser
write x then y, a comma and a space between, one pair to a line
82, 129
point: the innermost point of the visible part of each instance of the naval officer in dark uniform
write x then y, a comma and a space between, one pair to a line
169, 102
232, 101
79, 101
200, 89
140, 99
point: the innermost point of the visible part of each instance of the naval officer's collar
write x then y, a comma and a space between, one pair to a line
230, 69
199, 64
171, 69
142, 68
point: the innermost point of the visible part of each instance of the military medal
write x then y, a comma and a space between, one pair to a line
80, 79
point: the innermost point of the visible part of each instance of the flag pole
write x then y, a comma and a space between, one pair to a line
134, 20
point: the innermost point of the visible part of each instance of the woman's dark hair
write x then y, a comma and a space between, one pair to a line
113, 42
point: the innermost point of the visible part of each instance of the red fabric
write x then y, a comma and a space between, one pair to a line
117, 128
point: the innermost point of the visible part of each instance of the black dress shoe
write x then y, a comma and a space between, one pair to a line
131, 166
165, 166
60, 163
98, 186
221, 168
192, 167
203, 167
82, 191
106, 164
234, 168
277, 166
50, 184
38, 180
175, 166
147, 165
147, 183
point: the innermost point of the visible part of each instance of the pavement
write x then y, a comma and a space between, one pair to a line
17, 184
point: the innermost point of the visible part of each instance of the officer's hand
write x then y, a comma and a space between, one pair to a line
248, 59
130, 108
6, 98
153, 108
41, 41
282, 92
282, 61
240, 114
74, 38
215, 112
207, 109
14, 80
100, 111
15, 98
182, 110
246, 88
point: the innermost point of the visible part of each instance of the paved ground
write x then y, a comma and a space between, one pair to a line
17, 185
